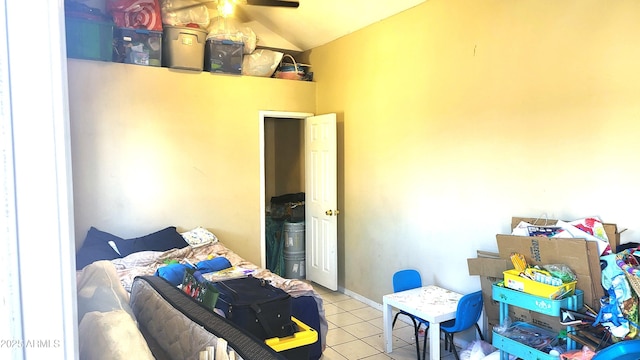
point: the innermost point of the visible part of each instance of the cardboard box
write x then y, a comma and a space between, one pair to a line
544, 321
610, 229
489, 266
579, 254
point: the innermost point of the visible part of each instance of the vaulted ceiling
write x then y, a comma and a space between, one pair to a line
314, 22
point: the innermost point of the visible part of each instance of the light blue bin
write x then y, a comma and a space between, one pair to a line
625, 350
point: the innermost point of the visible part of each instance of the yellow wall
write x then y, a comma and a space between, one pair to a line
153, 147
452, 117
456, 115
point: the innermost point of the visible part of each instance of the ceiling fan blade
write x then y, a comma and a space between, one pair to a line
279, 3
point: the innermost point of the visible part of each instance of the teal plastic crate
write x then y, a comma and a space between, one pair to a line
537, 303
89, 39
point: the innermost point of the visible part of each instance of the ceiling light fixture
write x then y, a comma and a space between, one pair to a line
226, 7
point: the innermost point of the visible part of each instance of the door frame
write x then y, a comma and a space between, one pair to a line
262, 116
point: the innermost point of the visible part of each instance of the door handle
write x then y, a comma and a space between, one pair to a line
330, 212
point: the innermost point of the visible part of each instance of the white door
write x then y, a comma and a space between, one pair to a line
321, 200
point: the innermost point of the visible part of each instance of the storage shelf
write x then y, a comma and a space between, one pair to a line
507, 297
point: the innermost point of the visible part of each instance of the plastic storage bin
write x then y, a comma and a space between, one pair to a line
296, 346
88, 39
513, 280
137, 46
624, 350
183, 47
223, 56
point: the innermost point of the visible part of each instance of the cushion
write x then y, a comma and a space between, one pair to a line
96, 247
199, 237
162, 240
113, 335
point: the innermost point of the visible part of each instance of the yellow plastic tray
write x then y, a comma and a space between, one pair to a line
305, 336
513, 280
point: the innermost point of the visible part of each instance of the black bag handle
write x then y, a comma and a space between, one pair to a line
290, 329
263, 322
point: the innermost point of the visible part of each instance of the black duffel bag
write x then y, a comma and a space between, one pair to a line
257, 306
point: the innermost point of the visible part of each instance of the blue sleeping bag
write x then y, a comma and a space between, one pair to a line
215, 264
174, 273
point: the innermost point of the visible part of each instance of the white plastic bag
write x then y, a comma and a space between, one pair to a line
477, 350
229, 29
261, 62
183, 12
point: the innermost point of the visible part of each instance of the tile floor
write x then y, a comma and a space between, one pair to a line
355, 331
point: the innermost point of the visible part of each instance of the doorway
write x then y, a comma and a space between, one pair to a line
318, 173
284, 188
282, 162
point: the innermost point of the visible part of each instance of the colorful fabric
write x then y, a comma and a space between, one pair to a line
619, 309
136, 14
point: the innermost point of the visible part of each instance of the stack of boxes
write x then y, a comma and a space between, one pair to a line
184, 48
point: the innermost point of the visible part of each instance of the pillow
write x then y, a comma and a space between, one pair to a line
97, 237
96, 247
162, 240
199, 236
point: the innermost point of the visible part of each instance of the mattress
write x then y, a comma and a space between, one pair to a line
307, 303
186, 327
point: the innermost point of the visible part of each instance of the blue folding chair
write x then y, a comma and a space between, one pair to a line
406, 280
467, 315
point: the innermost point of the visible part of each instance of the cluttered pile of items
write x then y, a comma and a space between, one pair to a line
178, 34
561, 289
